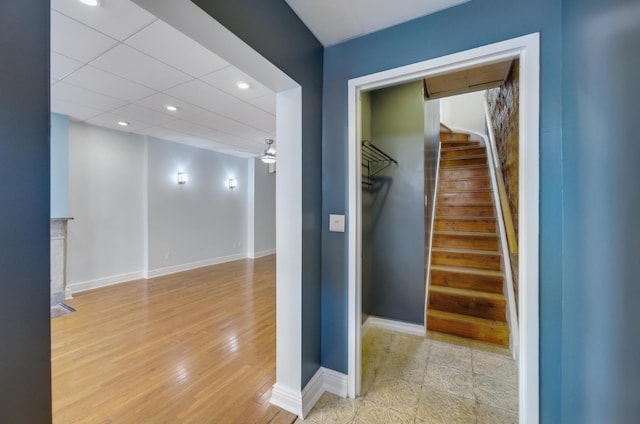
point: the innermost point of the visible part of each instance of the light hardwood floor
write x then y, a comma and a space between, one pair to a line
193, 347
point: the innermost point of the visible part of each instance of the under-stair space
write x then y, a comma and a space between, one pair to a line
466, 290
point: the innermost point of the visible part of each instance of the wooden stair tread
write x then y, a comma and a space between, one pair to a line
467, 292
470, 251
467, 270
464, 233
455, 148
465, 218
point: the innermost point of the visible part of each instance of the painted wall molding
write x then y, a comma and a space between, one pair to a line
301, 403
102, 282
393, 325
262, 254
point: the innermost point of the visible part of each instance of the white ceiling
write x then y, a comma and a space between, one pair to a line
334, 21
117, 62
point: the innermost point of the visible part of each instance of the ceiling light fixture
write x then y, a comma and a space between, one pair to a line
183, 177
91, 2
171, 108
123, 123
232, 183
269, 154
243, 85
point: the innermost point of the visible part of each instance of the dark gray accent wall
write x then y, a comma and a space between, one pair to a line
469, 25
25, 347
431, 152
397, 289
601, 149
274, 31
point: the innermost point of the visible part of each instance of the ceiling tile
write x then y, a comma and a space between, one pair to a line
116, 18
83, 97
138, 67
160, 132
245, 113
203, 95
73, 110
187, 128
61, 66
111, 119
75, 40
159, 101
213, 121
172, 47
142, 114
266, 103
250, 133
106, 83
225, 79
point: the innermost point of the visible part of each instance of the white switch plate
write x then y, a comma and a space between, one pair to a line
336, 223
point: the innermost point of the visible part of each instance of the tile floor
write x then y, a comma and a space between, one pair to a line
415, 380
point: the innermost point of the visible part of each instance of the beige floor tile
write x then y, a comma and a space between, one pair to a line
409, 368
495, 392
371, 413
450, 380
490, 415
396, 394
331, 409
494, 365
410, 346
443, 408
451, 356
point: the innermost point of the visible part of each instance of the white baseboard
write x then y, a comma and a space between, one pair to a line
125, 278
262, 254
400, 326
103, 282
301, 403
193, 265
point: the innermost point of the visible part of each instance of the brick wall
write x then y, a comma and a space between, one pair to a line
503, 105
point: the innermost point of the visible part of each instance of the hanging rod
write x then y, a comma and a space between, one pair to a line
374, 161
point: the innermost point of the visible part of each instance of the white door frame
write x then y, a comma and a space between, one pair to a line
527, 49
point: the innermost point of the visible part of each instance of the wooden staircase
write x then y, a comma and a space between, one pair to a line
466, 294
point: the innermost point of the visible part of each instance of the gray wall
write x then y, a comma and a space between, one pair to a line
105, 238
397, 205
200, 220
601, 148
264, 208
431, 151
25, 351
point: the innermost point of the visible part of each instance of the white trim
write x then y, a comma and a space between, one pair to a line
527, 48
433, 218
251, 208
301, 403
399, 326
104, 282
263, 253
194, 265
288, 399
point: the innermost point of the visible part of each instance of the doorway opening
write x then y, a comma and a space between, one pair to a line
526, 49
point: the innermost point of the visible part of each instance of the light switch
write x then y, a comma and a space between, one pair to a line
336, 223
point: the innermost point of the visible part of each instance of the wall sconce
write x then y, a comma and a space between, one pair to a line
232, 183
182, 178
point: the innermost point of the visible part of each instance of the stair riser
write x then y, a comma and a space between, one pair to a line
445, 153
492, 309
464, 197
460, 173
478, 225
462, 280
485, 333
453, 137
467, 211
465, 184
462, 162
491, 262
466, 242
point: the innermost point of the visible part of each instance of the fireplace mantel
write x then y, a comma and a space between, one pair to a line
58, 228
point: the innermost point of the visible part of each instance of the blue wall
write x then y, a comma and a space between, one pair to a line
274, 31
59, 166
601, 149
25, 349
470, 25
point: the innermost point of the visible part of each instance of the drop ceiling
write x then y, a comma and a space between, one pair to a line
334, 21
117, 62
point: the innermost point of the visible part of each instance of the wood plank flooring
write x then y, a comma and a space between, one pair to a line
193, 347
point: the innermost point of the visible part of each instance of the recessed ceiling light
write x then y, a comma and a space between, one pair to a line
172, 108
123, 123
243, 85
91, 2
